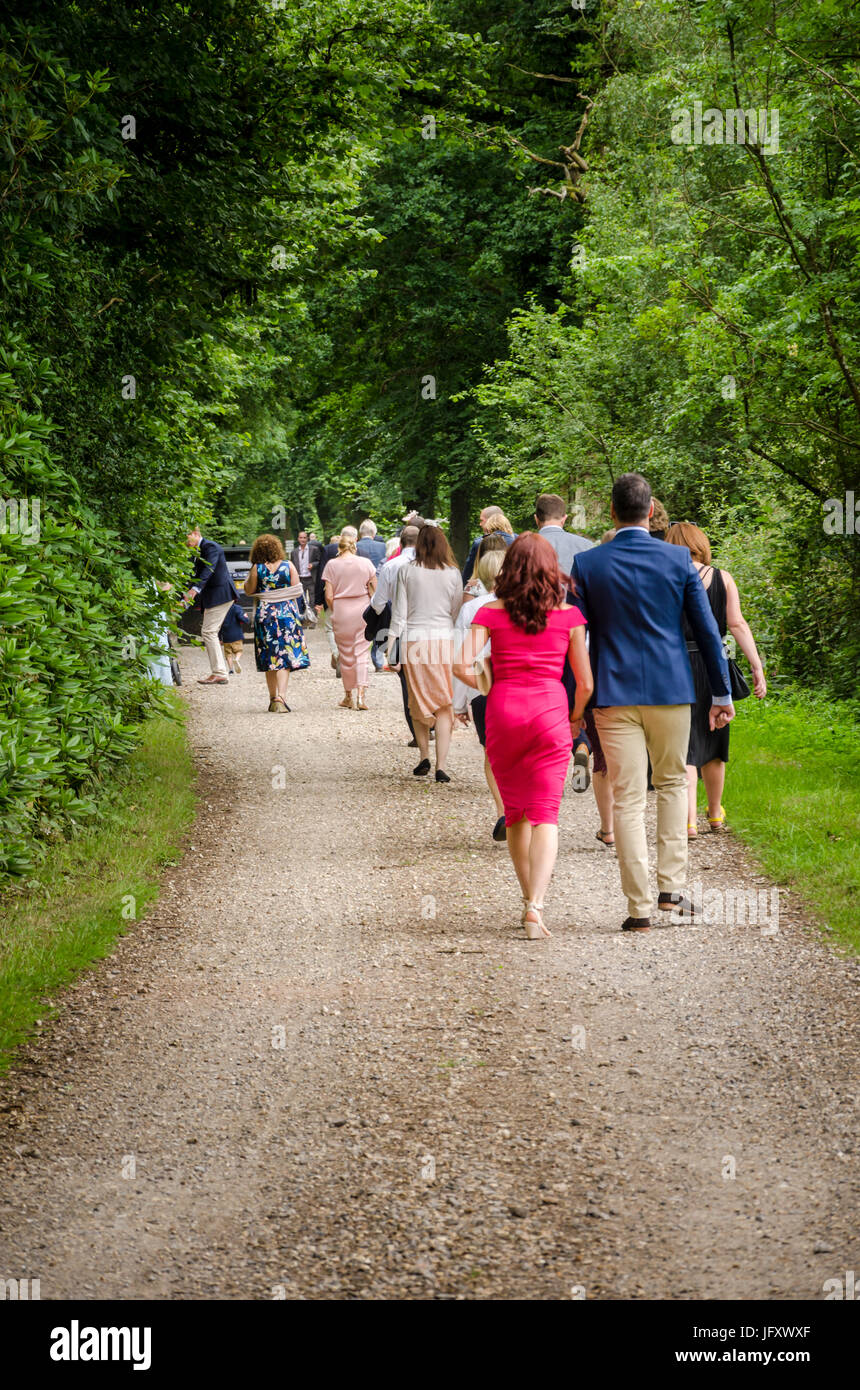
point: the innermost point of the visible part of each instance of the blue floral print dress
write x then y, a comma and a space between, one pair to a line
279, 639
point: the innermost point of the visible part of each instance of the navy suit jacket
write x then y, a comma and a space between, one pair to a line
473, 553
212, 578
633, 591
372, 550
329, 553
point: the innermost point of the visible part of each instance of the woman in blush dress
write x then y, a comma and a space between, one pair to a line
529, 730
349, 581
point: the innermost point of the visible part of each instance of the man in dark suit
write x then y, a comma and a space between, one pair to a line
213, 589
374, 551
306, 556
483, 519
329, 552
634, 592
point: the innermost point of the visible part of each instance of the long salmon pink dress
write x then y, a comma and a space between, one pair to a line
528, 724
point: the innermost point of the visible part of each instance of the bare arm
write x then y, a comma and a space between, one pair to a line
580, 664
329, 595
476, 639
250, 585
740, 630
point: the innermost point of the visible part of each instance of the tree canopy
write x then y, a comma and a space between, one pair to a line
349, 258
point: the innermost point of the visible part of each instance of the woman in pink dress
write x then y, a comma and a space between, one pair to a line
349, 581
529, 731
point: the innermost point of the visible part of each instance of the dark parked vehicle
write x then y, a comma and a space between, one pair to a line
238, 559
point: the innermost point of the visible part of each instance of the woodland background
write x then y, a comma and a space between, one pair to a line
325, 203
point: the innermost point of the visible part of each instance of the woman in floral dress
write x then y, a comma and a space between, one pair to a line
279, 639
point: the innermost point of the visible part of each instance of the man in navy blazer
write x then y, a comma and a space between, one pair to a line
633, 592
213, 588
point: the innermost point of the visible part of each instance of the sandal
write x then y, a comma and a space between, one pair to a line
692, 832
536, 930
605, 837
718, 823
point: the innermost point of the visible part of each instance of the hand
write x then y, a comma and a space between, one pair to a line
719, 716
759, 684
318, 607
462, 716
190, 595
577, 725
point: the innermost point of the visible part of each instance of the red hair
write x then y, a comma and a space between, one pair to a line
529, 582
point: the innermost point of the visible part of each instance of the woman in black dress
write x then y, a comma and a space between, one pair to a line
708, 752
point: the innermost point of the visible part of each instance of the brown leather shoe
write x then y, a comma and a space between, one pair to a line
636, 924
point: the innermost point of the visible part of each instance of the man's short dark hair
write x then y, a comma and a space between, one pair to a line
631, 498
548, 506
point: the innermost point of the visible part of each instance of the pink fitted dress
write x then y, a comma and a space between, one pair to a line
528, 723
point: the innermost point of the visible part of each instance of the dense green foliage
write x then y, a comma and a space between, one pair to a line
353, 256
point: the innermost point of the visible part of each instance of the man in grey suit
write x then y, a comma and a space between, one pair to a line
550, 515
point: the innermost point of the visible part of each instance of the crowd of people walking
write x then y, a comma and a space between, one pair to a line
608, 658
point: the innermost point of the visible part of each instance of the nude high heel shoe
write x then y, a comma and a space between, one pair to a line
533, 921
362, 692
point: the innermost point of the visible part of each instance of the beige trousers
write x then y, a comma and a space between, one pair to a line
629, 735
209, 629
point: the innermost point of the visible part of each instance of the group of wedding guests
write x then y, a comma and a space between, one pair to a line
545, 640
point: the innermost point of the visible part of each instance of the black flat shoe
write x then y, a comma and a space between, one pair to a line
676, 902
413, 743
500, 830
442, 776
422, 769
636, 924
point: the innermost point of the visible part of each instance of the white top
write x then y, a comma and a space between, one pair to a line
465, 694
426, 603
386, 577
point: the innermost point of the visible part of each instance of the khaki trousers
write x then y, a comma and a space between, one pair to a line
325, 623
629, 735
209, 629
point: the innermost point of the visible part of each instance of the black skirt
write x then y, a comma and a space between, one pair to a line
704, 745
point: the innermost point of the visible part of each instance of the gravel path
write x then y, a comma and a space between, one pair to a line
328, 1065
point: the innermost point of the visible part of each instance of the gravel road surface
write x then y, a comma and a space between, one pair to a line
328, 1064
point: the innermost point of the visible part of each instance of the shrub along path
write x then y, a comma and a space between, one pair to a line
327, 1064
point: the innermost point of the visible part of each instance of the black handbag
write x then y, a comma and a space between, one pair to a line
737, 681
374, 622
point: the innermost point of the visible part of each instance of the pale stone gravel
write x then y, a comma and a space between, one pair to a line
436, 1123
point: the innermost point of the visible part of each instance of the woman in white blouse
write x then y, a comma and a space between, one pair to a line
427, 599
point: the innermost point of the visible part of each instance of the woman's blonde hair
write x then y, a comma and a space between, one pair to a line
498, 522
488, 566
346, 541
685, 533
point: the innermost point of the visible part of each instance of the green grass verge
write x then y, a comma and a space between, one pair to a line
793, 794
75, 913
